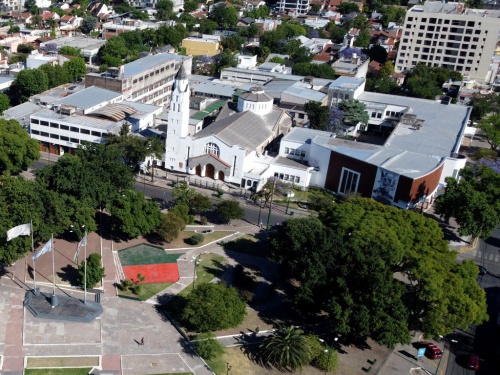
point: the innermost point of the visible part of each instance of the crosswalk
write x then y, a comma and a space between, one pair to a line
491, 257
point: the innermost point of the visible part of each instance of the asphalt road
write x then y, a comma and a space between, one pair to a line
483, 340
251, 209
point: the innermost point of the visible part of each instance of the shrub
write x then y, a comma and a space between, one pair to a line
203, 220
317, 348
327, 361
212, 307
136, 289
195, 239
125, 284
207, 346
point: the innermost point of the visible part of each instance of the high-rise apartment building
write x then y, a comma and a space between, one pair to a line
297, 6
450, 36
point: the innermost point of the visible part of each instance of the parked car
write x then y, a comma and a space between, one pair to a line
482, 270
431, 350
472, 362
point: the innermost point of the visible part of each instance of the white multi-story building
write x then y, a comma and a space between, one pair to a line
450, 36
295, 6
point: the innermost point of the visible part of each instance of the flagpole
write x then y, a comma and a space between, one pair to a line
34, 261
85, 270
53, 263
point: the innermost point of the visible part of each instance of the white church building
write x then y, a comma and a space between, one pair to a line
234, 147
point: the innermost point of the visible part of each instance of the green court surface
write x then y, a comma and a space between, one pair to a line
145, 254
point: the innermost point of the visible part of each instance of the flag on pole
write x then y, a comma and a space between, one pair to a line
45, 249
20, 230
83, 242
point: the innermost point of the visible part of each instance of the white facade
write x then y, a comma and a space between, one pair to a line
296, 6
450, 36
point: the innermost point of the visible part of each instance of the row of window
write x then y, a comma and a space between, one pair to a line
349, 181
286, 177
293, 151
73, 129
55, 136
157, 71
440, 21
459, 67
154, 87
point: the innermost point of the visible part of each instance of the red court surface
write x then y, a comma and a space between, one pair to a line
154, 273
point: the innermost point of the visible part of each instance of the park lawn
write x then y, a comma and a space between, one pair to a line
210, 266
207, 238
240, 364
248, 244
53, 362
147, 291
57, 371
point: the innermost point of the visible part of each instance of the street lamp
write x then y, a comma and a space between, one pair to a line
270, 205
196, 263
259, 223
289, 193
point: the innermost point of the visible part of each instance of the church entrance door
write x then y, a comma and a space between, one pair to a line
197, 170
221, 176
210, 171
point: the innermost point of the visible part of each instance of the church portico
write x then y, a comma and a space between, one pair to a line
209, 165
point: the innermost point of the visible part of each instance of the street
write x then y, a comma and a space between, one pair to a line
483, 340
251, 210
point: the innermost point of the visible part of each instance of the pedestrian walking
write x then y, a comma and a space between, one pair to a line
142, 341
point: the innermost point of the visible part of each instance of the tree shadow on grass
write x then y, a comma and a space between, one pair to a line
252, 352
154, 238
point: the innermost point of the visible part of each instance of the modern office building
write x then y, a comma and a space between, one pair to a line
147, 80
450, 36
296, 6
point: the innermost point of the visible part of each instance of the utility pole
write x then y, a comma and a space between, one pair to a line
270, 205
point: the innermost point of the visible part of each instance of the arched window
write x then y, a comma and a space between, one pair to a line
212, 148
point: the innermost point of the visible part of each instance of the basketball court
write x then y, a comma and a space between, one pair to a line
150, 261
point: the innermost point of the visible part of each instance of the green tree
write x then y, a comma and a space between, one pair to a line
228, 210
317, 114
286, 349
132, 215
182, 210
426, 81
363, 242
17, 149
474, 201
57, 75
483, 105
363, 39
491, 128
24, 48
29, 4
207, 346
164, 9
207, 26
76, 68
347, 7
70, 51
278, 60
95, 271
337, 32
387, 69
212, 307
170, 226
354, 112
233, 42
94, 171
225, 16
4, 103
327, 360
378, 53
29, 82
190, 6
315, 70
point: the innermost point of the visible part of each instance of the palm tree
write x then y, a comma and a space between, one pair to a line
286, 349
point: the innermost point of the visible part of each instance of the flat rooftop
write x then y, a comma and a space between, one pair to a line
441, 132
82, 43
79, 120
89, 97
149, 62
